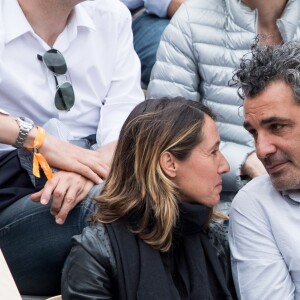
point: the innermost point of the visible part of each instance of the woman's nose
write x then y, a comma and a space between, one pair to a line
224, 165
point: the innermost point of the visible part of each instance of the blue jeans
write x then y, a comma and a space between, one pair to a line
35, 247
147, 30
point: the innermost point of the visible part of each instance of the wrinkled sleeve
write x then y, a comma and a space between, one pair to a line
156, 7
125, 89
258, 268
87, 272
133, 4
175, 71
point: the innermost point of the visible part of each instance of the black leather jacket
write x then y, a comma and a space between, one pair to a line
94, 276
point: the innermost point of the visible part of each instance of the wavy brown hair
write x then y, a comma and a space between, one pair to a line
137, 188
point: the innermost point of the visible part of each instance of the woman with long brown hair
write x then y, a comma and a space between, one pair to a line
150, 235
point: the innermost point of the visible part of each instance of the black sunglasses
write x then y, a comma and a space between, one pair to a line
64, 97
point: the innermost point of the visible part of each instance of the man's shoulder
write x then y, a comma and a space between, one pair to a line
259, 192
114, 7
205, 4
197, 11
260, 181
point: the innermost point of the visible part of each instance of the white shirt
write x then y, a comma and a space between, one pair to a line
102, 64
264, 239
157, 7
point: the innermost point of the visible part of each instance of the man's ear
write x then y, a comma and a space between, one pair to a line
168, 164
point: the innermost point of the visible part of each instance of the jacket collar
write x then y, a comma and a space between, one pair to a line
289, 21
247, 19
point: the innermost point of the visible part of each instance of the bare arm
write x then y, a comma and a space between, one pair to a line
59, 154
173, 6
253, 166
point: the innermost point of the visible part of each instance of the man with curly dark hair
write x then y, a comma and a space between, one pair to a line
198, 52
265, 214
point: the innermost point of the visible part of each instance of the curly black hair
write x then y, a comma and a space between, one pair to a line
266, 64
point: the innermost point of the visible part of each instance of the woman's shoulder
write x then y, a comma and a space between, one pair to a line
218, 238
218, 235
95, 240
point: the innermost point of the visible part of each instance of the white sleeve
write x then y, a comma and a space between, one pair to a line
258, 268
3, 112
133, 4
125, 90
157, 7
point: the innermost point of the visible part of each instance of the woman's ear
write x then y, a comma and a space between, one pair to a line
168, 164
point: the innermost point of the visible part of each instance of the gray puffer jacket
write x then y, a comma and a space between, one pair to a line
197, 55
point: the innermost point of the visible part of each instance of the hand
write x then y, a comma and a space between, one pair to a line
107, 153
67, 189
173, 6
253, 166
59, 154
68, 157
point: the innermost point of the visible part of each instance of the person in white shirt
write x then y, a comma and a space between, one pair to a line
150, 18
265, 214
68, 66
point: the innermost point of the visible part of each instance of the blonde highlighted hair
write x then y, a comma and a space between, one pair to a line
137, 188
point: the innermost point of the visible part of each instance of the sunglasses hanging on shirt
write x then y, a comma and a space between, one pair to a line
55, 62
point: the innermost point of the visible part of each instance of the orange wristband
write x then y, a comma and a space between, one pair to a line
38, 159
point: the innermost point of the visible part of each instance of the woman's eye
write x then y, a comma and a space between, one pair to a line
215, 152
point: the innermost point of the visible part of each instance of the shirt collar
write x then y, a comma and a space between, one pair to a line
292, 196
16, 26
19, 25
80, 18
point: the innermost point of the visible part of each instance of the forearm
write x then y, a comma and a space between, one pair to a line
173, 6
236, 155
59, 154
253, 166
10, 131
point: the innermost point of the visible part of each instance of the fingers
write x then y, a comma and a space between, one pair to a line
96, 173
66, 189
45, 194
89, 164
68, 157
72, 198
36, 196
55, 188
96, 162
65, 206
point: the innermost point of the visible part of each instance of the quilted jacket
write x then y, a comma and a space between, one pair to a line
197, 55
